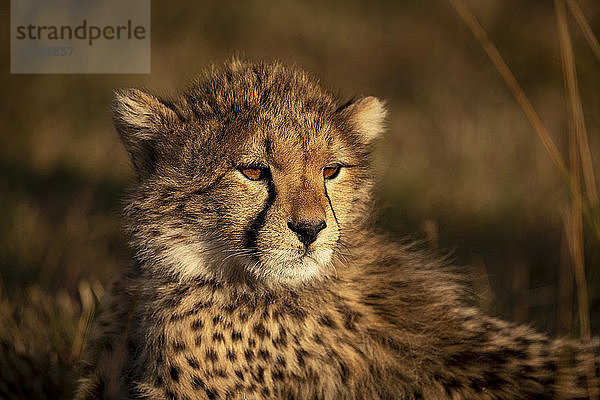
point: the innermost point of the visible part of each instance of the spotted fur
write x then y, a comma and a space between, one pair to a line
226, 299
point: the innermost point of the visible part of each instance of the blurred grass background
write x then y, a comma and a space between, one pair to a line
461, 166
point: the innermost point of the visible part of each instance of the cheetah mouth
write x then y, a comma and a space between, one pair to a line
293, 255
305, 252
287, 265
292, 263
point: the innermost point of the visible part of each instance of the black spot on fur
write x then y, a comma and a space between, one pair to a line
276, 314
170, 395
236, 336
326, 320
239, 374
281, 361
181, 290
211, 355
218, 337
349, 316
229, 308
211, 393
264, 354
296, 312
231, 355
178, 346
281, 340
192, 362
200, 305
174, 372
260, 375
198, 383
300, 356
249, 355
197, 324
317, 339
261, 331
227, 325
277, 375
198, 341
238, 388
220, 372
213, 283
251, 388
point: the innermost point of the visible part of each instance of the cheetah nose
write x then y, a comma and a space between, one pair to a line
307, 231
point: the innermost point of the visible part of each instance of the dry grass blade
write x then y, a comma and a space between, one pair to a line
584, 26
512, 83
85, 319
575, 127
533, 117
574, 103
577, 139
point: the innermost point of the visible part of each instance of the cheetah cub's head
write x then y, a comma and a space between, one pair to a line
254, 173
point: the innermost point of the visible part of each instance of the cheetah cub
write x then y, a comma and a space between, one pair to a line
256, 275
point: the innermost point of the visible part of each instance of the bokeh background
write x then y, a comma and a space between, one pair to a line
461, 168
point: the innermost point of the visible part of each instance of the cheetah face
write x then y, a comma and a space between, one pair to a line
289, 201
255, 173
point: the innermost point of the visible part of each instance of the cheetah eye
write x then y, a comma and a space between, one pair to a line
255, 173
331, 171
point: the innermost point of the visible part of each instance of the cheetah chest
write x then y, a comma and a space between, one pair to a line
267, 350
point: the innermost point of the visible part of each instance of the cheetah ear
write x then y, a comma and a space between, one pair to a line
367, 117
142, 119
